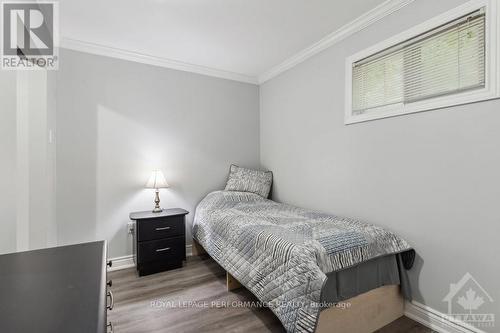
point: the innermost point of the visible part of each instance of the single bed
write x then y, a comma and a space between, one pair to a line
315, 271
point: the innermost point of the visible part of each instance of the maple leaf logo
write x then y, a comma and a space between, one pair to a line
471, 301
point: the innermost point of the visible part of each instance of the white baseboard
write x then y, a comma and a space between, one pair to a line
128, 261
189, 250
121, 263
436, 320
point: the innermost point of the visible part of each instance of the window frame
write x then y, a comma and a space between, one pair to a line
491, 89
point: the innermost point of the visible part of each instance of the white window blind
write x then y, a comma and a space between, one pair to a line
442, 61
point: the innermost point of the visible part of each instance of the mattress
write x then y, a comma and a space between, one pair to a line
293, 258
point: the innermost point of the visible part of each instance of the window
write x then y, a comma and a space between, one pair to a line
441, 63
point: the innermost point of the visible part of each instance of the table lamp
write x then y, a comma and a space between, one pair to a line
157, 181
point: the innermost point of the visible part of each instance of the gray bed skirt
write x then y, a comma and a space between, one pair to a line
353, 281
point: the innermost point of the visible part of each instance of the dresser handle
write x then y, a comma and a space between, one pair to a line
164, 228
164, 249
110, 283
110, 327
110, 263
112, 305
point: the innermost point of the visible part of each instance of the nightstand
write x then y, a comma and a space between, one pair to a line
159, 240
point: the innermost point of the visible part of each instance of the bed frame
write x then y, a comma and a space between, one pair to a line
364, 313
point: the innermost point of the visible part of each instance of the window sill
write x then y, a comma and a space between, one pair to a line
422, 106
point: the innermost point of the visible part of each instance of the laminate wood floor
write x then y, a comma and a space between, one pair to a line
194, 299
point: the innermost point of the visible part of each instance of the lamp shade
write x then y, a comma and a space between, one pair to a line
157, 180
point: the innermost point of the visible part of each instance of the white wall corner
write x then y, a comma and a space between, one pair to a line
436, 320
22, 162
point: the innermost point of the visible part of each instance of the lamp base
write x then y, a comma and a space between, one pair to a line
157, 208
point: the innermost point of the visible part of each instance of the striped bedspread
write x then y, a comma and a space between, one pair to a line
282, 253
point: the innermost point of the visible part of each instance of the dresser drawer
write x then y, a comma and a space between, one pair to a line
171, 250
158, 228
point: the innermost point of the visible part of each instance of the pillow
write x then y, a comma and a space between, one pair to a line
249, 180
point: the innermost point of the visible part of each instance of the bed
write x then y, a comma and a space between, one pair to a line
315, 271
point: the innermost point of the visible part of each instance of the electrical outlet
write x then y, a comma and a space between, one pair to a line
130, 228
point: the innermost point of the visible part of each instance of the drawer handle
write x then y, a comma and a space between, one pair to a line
164, 249
110, 327
112, 305
163, 228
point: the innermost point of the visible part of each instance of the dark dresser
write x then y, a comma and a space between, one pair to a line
61, 289
159, 240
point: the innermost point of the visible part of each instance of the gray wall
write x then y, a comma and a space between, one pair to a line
8, 161
118, 120
432, 177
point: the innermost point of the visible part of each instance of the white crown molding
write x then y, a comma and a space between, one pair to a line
384, 9
107, 51
436, 320
124, 262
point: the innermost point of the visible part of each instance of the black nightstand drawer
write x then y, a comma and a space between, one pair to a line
160, 228
170, 249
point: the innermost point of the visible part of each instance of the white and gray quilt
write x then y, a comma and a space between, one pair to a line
282, 253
